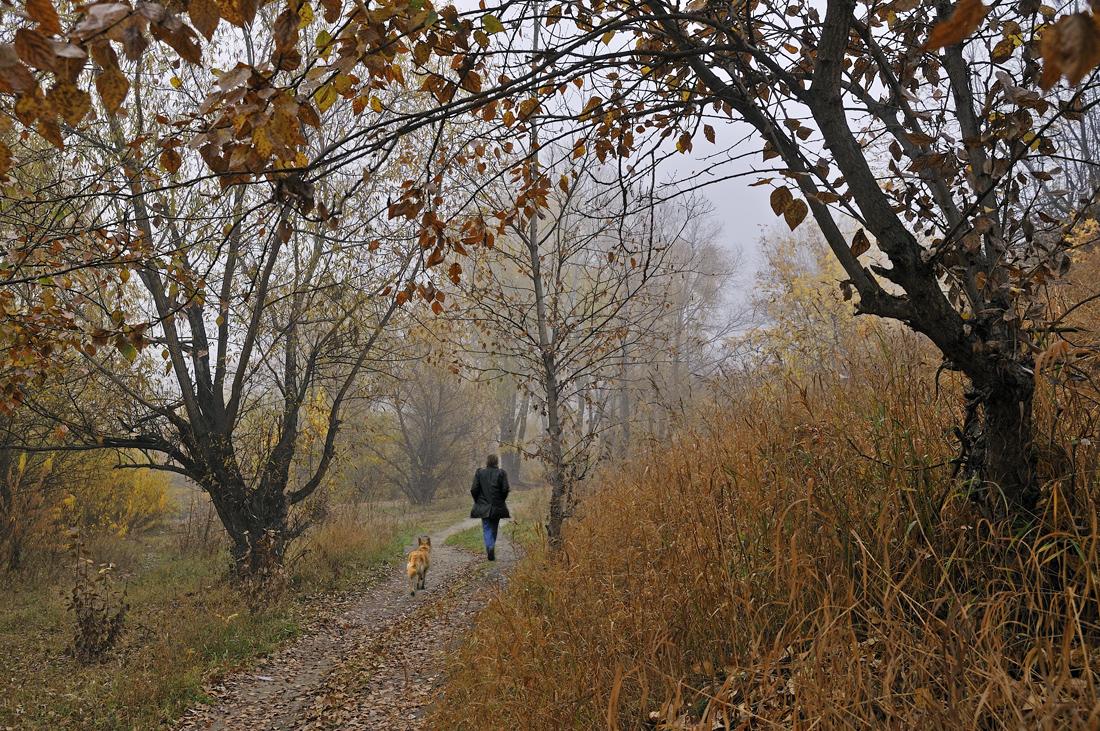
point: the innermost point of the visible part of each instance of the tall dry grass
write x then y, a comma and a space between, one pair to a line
798, 557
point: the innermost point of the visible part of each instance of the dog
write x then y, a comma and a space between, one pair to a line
419, 561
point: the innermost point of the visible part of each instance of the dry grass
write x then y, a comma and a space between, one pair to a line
800, 558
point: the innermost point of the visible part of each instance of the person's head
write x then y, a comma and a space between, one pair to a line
492, 461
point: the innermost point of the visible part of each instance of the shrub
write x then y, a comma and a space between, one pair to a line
114, 501
42, 497
98, 610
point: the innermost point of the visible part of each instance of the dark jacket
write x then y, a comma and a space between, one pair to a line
490, 490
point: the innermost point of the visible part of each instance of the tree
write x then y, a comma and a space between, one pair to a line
249, 297
560, 307
914, 119
804, 323
922, 121
433, 418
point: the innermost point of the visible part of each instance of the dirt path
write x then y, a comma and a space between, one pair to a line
376, 665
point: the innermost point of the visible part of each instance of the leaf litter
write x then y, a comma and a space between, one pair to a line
373, 661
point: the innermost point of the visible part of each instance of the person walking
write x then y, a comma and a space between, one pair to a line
490, 491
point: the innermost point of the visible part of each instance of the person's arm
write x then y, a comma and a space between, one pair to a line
504, 486
475, 489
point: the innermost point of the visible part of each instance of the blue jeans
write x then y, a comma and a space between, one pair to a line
489, 531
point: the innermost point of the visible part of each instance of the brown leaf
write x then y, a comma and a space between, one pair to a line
308, 115
965, 19
780, 198
35, 49
860, 243
98, 18
436, 257
795, 213
43, 13
332, 10
134, 42
5, 162
104, 54
170, 160
708, 132
113, 87
204, 16
51, 132
286, 31
471, 82
1070, 47
240, 13
182, 40
69, 102
15, 78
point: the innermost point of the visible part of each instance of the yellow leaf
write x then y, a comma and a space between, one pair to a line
325, 97
324, 43
70, 102
262, 143
176, 82
376, 104
305, 15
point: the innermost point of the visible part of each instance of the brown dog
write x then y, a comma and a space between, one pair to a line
419, 560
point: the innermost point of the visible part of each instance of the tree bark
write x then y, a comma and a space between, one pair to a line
998, 455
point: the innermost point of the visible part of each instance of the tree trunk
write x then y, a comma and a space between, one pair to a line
998, 450
507, 438
559, 497
521, 436
257, 527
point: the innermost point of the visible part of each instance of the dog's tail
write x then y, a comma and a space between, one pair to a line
413, 577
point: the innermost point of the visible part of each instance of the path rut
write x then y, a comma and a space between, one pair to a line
376, 665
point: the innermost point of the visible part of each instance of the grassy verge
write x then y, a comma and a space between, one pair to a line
525, 534
185, 625
525, 529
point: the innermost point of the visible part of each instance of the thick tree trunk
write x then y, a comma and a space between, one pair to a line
998, 447
421, 491
257, 527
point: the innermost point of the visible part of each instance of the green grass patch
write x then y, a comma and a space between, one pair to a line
468, 540
186, 624
524, 533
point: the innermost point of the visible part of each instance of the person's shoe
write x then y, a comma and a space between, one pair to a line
492, 554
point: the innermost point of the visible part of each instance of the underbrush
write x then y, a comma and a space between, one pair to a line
801, 557
185, 624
